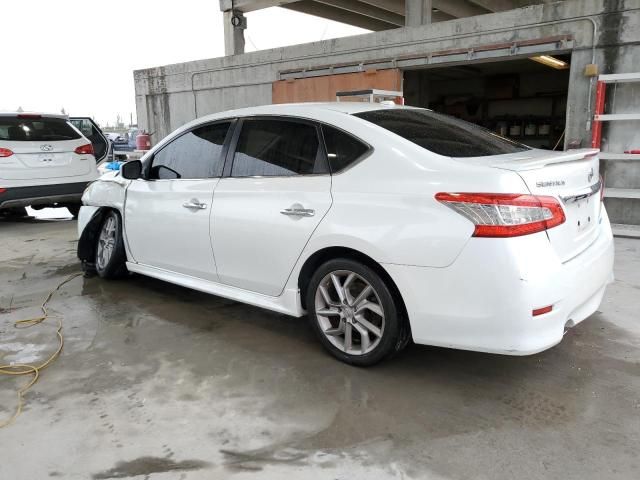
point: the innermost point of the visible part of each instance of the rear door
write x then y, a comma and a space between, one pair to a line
91, 130
275, 193
167, 214
41, 147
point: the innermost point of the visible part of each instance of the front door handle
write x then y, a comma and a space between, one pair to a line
298, 211
194, 204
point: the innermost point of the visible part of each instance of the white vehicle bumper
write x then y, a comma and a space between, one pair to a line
484, 300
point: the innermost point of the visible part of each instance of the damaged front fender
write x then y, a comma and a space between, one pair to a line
107, 193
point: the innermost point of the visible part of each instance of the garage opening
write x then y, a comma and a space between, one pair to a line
524, 100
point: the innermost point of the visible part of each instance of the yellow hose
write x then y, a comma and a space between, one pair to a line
26, 369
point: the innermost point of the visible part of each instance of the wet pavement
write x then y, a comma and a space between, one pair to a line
160, 382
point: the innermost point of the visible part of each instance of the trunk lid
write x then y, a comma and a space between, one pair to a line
44, 159
573, 178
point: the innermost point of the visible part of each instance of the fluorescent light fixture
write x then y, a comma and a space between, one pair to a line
550, 61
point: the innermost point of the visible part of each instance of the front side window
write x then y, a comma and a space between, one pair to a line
442, 134
342, 149
195, 154
277, 148
37, 129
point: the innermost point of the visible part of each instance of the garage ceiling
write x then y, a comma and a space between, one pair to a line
379, 14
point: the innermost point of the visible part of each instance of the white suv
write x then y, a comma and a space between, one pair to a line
46, 161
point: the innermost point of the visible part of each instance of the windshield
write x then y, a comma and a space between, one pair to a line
442, 134
36, 129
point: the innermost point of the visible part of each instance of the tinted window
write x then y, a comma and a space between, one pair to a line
277, 147
196, 154
442, 134
342, 148
36, 130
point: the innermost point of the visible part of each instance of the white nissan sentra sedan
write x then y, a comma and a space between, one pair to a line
382, 223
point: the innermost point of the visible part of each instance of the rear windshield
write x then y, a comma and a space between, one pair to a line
442, 134
39, 130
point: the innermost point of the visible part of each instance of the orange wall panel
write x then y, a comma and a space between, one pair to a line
323, 89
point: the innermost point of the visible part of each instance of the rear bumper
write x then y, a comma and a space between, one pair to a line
484, 300
42, 194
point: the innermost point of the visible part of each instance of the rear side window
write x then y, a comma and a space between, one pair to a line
195, 154
442, 134
16, 129
277, 148
342, 149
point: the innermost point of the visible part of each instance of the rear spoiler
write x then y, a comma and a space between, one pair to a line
554, 157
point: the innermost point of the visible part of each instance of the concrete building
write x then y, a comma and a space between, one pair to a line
468, 58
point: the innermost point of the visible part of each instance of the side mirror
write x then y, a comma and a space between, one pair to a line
131, 170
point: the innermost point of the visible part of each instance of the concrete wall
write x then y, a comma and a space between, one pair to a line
169, 96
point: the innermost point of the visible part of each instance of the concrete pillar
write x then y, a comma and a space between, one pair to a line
417, 12
235, 24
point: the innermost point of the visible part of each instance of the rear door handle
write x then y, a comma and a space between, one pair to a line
194, 204
298, 211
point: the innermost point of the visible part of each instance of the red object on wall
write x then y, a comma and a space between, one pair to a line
596, 129
143, 141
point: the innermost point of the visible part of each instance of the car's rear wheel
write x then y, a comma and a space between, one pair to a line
354, 312
110, 254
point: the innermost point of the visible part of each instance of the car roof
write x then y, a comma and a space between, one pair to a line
44, 115
311, 107
308, 110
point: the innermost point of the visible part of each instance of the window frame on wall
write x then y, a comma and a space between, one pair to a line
223, 153
321, 154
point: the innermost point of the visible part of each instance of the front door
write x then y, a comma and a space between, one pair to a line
167, 214
264, 212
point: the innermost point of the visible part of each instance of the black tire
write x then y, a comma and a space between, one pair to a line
393, 331
74, 209
110, 262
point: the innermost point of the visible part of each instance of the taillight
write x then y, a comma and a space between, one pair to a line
505, 214
84, 149
5, 152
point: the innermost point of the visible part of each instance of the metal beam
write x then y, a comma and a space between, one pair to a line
394, 6
362, 8
331, 13
251, 5
501, 5
459, 8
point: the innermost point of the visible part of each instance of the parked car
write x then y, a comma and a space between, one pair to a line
383, 223
120, 142
45, 161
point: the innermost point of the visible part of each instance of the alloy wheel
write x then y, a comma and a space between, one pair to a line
349, 312
106, 242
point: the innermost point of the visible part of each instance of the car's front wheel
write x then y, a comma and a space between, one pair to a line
110, 254
354, 312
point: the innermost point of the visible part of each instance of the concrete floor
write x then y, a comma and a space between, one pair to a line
161, 382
